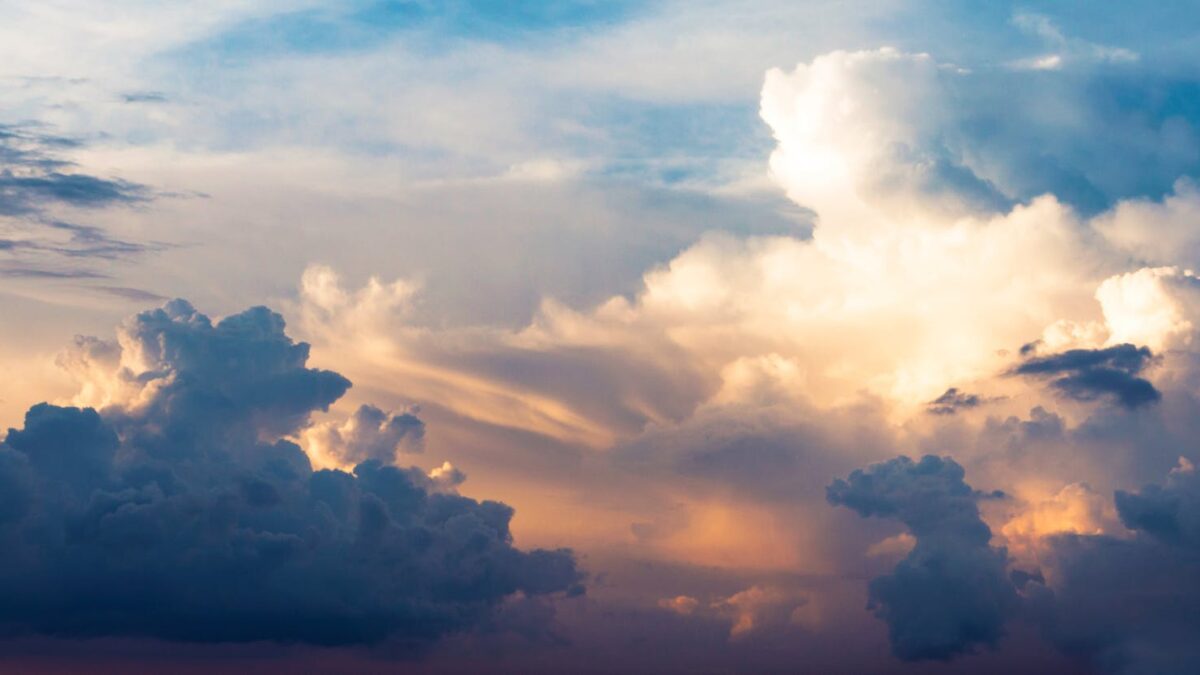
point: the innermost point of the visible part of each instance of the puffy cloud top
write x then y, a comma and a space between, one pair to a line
182, 512
951, 593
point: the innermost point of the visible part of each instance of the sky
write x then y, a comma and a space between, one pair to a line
599, 336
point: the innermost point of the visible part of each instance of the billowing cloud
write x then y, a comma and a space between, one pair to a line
672, 403
180, 510
747, 371
1131, 604
369, 433
952, 592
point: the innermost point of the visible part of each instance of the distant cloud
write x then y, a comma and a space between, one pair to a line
33, 176
368, 434
1066, 50
144, 97
952, 401
36, 185
21, 194
1132, 605
38, 273
133, 294
1089, 374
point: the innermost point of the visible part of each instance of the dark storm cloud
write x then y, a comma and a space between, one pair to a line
1090, 374
189, 517
952, 592
1132, 605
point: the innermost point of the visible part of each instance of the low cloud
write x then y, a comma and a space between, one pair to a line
368, 434
37, 185
1089, 374
1132, 605
178, 509
952, 401
951, 593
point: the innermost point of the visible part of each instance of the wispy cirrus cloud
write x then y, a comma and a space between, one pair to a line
38, 185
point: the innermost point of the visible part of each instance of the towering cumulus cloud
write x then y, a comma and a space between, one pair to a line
180, 510
951, 592
973, 286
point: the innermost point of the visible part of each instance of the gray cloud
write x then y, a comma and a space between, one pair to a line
1132, 605
952, 592
1089, 374
36, 180
191, 518
20, 194
372, 434
33, 175
953, 400
128, 293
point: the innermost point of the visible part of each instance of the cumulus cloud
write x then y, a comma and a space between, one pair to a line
447, 475
952, 592
1169, 513
917, 238
1153, 306
179, 510
956, 219
747, 370
1124, 599
759, 607
1131, 605
369, 433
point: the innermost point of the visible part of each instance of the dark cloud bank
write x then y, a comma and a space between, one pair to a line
190, 518
1120, 605
1089, 374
